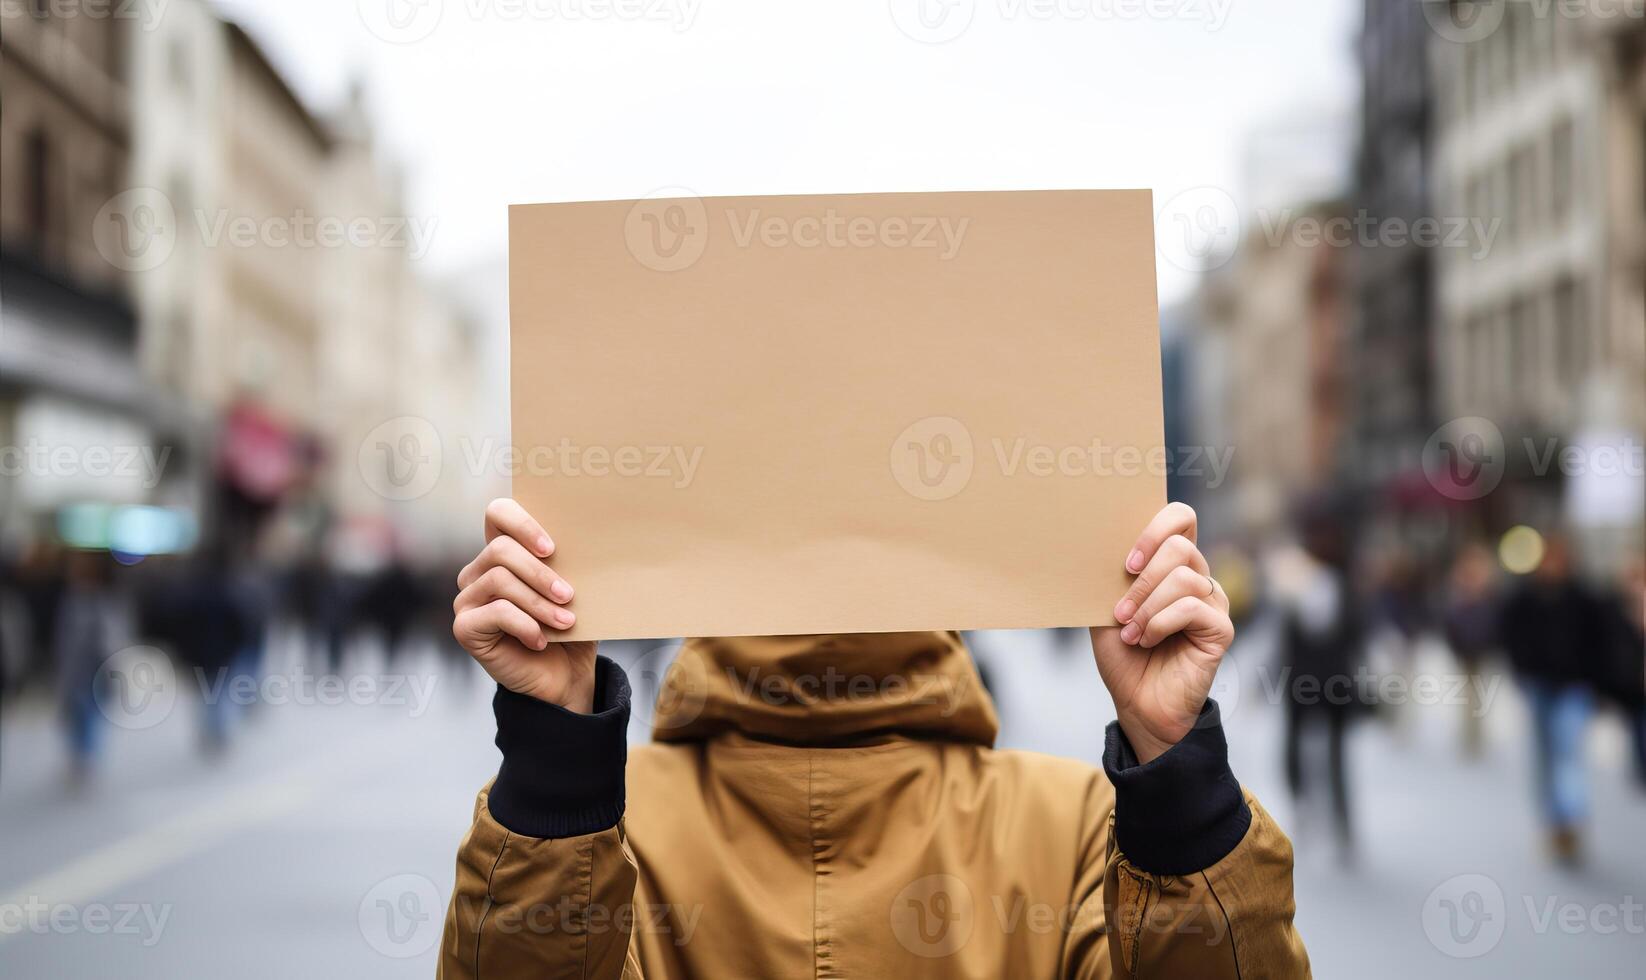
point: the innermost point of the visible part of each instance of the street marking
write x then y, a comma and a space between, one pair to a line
108, 868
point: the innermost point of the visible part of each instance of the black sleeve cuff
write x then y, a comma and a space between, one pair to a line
1183, 812
562, 772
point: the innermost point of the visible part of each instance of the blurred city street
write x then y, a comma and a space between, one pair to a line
279, 854
255, 399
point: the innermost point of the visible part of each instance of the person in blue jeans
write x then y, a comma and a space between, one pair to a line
87, 635
1554, 632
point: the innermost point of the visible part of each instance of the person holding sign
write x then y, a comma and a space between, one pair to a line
833, 805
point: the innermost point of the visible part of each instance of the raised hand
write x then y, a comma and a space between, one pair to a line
511, 604
1160, 662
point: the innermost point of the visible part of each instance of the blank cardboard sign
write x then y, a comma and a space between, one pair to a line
842, 413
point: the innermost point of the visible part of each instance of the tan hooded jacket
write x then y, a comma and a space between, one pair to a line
833, 807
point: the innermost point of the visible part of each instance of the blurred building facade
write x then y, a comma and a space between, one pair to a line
1329, 365
1538, 126
1391, 330
75, 416
1278, 315
197, 263
1521, 135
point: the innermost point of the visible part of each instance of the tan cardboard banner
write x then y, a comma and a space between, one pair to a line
841, 413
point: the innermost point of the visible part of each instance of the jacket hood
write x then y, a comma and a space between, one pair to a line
837, 688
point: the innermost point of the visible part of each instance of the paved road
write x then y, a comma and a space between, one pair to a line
321, 844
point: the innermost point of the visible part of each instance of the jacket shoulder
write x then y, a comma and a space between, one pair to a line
1066, 780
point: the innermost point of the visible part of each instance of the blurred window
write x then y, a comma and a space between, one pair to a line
1509, 40
1474, 360
1540, 41
1476, 198
1523, 191
1497, 50
1569, 331
1479, 65
1514, 349
1503, 361
1560, 170
1483, 348
1501, 191
37, 178
178, 63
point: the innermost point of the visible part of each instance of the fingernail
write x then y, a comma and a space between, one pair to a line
561, 591
542, 642
1124, 612
1134, 561
1130, 633
545, 547
565, 617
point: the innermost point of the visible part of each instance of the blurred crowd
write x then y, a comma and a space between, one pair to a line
1350, 630
66, 613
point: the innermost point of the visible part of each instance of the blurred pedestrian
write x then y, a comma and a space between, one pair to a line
35, 584
212, 632
393, 605
90, 631
1626, 669
1470, 621
1553, 630
1321, 650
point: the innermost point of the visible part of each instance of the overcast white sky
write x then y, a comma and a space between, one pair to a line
507, 101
